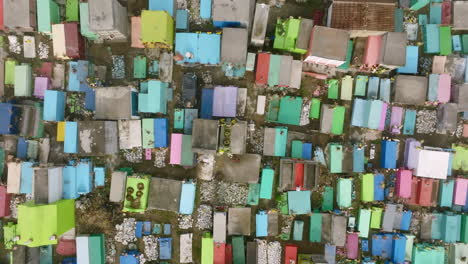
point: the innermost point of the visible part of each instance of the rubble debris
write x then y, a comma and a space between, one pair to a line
14, 44
185, 222
160, 157
204, 217
126, 231
426, 121
43, 50
151, 248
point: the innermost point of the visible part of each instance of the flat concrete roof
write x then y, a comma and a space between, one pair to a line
304, 33
41, 187
117, 188
273, 223
286, 181
18, 14
233, 11
164, 194
244, 168
447, 115
338, 230
394, 49
347, 160
269, 141
410, 89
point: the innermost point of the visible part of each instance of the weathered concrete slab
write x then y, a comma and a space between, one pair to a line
238, 137
273, 223
41, 185
410, 89
394, 49
241, 101
19, 14
165, 67
234, 11
389, 217
260, 23
44, 150
234, 45
447, 115
244, 168
251, 252
460, 9
461, 97
338, 230
129, 134
117, 187
288, 174
113, 103
97, 137
328, 43
305, 29
326, 228
205, 136
269, 141
58, 81
239, 220
108, 19
219, 227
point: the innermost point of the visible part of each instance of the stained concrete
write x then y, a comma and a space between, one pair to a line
113, 103
244, 168
410, 89
164, 194
234, 45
